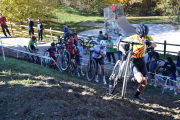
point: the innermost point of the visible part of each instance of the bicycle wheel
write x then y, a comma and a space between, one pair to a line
65, 60
128, 60
114, 77
91, 70
92, 44
26, 57
38, 60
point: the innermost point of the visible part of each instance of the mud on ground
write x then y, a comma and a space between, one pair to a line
46, 98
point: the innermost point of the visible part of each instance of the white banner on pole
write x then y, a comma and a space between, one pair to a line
2, 49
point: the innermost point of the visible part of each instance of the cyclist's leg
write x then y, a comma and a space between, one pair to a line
101, 62
140, 75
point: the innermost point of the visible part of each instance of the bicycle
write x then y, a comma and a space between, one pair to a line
65, 58
88, 43
125, 68
92, 67
30, 58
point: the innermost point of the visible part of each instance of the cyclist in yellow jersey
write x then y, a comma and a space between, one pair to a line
139, 67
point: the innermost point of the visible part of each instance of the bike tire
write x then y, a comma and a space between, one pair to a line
26, 57
91, 69
113, 79
65, 60
126, 75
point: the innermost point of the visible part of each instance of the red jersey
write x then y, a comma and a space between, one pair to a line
3, 20
70, 49
76, 38
113, 7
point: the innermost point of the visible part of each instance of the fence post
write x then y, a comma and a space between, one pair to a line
2, 48
164, 48
51, 34
11, 28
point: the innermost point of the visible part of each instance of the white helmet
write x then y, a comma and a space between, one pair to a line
103, 43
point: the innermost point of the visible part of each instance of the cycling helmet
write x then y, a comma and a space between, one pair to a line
142, 30
52, 44
71, 41
103, 43
29, 17
33, 38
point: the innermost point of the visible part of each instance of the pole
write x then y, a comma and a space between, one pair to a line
2, 49
164, 48
51, 34
11, 28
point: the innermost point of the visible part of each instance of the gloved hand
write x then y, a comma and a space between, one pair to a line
148, 43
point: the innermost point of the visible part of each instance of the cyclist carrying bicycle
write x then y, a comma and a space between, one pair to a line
99, 54
31, 46
52, 51
72, 49
139, 67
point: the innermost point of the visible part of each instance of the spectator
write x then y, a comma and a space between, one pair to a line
153, 66
3, 25
66, 32
30, 27
153, 53
113, 8
110, 50
40, 29
178, 65
170, 69
106, 37
117, 43
100, 36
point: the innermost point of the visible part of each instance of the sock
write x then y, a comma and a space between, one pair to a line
103, 77
96, 75
81, 71
137, 93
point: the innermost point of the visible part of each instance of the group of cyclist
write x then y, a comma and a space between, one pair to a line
139, 66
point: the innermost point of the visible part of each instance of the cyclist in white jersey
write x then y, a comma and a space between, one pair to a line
99, 54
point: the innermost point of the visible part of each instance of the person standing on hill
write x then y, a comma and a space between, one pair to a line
110, 50
30, 27
66, 32
113, 8
40, 29
3, 25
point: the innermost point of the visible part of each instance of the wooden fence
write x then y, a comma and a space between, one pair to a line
50, 30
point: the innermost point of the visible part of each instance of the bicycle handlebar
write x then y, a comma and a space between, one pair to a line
135, 43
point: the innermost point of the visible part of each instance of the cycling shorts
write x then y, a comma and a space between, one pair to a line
139, 65
100, 61
73, 56
78, 60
